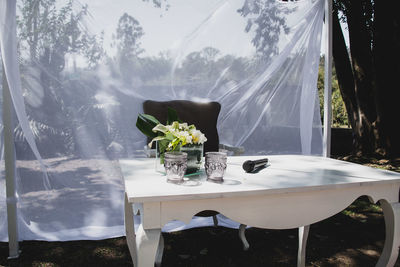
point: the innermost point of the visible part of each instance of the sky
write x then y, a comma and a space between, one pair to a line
186, 23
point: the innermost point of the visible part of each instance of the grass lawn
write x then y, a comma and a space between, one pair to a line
353, 237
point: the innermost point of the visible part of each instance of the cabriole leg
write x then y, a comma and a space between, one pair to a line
391, 212
160, 251
130, 230
242, 229
301, 255
215, 220
147, 241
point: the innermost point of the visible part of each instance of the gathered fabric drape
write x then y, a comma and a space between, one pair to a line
79, 71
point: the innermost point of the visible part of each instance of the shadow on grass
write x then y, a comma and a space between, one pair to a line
353, 237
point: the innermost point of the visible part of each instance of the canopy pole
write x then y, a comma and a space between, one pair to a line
9, 162
328, 80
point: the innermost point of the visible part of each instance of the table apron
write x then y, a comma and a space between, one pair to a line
272, 211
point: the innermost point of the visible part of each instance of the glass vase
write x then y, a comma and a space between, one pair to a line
159, 163
194, 159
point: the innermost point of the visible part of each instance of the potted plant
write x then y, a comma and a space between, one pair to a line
174, 136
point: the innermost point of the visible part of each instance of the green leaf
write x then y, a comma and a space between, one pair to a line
172, 116
145, 123
178, 147
160, 128
174, 143
162, 145
157, 138
169, 137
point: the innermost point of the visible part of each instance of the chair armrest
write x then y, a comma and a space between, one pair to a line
231, 150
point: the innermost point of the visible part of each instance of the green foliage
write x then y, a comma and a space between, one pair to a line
145, 123
49, 33
267, 24
172, 116
127, 37
339, 113
159, 3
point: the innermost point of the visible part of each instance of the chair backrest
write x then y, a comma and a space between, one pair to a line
203, 115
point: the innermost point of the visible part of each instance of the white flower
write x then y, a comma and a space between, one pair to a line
178, 134
183, 126
198, 137
184, 136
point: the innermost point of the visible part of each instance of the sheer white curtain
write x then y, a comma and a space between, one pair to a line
87, 66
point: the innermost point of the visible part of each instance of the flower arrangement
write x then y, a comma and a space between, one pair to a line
172, 136
178, 135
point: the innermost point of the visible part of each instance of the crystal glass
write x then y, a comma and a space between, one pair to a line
175, 164
194, 159
215, 165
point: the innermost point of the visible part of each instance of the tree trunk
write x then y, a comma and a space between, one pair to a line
368, 82
344, 71
364, 87
386, 55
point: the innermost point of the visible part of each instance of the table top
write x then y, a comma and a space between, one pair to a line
283, 174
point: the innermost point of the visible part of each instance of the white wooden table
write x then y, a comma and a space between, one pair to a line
292, 192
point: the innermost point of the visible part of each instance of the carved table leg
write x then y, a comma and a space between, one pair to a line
130, 230
160, 251
215, 220
147, 241
146, 246
303, 235
242, 229
391, 212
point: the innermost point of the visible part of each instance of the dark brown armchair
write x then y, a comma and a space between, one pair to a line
204, 116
